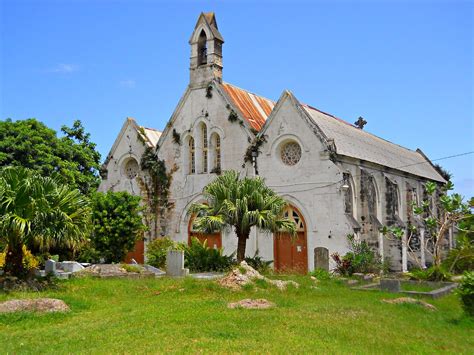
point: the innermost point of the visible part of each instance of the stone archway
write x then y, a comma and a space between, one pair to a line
291, 254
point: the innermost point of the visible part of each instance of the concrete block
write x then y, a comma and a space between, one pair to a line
390, 285
175, 264
50, 266
70, 266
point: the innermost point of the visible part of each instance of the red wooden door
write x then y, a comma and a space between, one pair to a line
137, 253
291, 254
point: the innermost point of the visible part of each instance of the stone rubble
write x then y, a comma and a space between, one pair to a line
252, 304
245, 274
42, 305
404, 300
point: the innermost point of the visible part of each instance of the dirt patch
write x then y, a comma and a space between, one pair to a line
245, 274
252, 304
11, 283
409, 300
42, 305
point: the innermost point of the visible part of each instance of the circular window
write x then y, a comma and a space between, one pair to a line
290, 153
131, 169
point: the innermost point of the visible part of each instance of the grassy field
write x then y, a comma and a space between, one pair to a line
163, 315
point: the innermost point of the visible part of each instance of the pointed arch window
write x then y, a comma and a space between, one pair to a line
202, 48
205, 147
192, 156
216, 145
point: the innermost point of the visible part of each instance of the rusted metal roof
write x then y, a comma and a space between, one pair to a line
254, 108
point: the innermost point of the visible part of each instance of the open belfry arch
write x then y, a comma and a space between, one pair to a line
343, 179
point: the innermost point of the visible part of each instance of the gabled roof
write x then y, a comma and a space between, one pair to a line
348, 139
357, 143
255, 109
151, 134
211, 21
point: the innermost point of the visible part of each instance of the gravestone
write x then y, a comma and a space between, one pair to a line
175, 264
70, 266
50, 267
321, 258
390, 285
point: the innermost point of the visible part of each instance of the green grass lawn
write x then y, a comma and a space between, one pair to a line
164, 315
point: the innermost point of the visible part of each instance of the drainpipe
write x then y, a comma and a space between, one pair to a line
422, 248
404, 252
381, 246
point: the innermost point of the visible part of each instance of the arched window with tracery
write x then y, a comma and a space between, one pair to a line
202, 48
192, 156
205, 147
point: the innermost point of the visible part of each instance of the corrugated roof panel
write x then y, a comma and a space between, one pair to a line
254, 108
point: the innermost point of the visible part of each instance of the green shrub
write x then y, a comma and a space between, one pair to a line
117, 226
199, 257
262, 266
461, 258
466, 292
321, 274
29, 260
157, 250
434, 273
361, 259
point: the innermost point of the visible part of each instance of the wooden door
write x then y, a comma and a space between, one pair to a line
214, 240
291, 254
137, 253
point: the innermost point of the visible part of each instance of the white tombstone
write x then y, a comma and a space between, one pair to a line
50, 267
175, 264
71, 266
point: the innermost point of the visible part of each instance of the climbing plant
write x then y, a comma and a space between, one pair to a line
155, 186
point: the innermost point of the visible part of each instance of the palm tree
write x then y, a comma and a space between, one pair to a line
37, 210
241, 204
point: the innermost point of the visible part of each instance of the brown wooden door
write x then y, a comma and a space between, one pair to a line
291, 254
137, 253
214, 240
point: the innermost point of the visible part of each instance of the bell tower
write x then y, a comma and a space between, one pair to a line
206, 51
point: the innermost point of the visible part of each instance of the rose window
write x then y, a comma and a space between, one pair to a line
291, 153
131, 169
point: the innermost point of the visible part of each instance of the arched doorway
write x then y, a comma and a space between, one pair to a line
291, 254
214, 240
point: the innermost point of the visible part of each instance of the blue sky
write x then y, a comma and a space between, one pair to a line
405, 66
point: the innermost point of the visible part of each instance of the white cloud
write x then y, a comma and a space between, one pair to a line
130, 84
64, 68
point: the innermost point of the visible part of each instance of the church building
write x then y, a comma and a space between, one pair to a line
337, 178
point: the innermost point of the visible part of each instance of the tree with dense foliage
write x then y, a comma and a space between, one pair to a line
240, 204
440, 212
38, 210
31, 144
117, 224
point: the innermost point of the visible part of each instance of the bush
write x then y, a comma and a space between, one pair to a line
434, 273
117, 226
262, 266
199, 257
156, 251
321, 274
361, 259
29, 260
466, 292
461, 258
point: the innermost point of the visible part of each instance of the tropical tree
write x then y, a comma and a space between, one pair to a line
72, 157
240, 204
440, 212
38, 211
